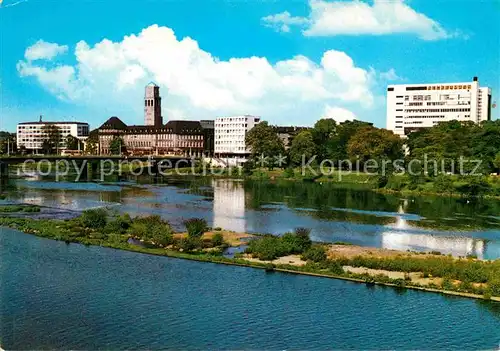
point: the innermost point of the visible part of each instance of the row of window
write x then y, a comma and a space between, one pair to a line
165, 144
441, 116
227, 149
439, 87
438, 110
232, 125
221, 142
421, 97
149, 103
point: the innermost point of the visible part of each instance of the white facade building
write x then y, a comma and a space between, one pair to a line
415, 106
230, 133
32, 134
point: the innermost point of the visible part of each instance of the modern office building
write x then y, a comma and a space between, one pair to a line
30, 135
230, 133
415, 106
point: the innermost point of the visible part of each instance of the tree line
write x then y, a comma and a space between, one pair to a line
359, 141
450, 157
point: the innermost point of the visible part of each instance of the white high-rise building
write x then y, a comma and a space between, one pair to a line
415, 106
31, 135
230, 133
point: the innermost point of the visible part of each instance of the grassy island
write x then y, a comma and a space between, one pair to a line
291, 252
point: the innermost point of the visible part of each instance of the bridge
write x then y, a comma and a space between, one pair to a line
92, 163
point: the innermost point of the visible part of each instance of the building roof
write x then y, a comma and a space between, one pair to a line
207, 124
288, 129
113, 123
184, 127
174, 127
62, 122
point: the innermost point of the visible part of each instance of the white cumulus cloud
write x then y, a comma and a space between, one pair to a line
111, 76
356, 17
339, 114
282, 21
43, 50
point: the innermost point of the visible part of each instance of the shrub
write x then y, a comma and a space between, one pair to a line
118, 225
288, 173
31, 209
217, 239
303, 236
266, 248
195, 227
189, 244
152, 228
315, 253
95, 218
248, 168
269, 267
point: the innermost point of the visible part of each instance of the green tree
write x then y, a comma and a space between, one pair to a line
372, 143
51, 139
263, 140
302, 145
345, 131
196, 227
7, 142
117, 146
92, 143
73, 143
496, 161
323, 134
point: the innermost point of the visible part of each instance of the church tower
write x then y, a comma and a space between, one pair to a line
152, 106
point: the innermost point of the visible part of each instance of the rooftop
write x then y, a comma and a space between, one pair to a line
44, 122
175, 127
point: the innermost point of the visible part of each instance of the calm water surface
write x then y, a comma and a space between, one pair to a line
360, 217
58, 296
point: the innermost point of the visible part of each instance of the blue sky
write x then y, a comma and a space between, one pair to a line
291, 62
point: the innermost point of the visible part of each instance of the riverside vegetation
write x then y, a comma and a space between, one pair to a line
153, 235
443, 145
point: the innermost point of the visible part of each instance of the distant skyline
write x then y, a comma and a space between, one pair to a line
290, 62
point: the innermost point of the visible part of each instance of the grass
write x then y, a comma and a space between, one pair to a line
19, 208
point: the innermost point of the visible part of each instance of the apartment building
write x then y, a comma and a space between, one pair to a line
31, 135
230, 133
415, 106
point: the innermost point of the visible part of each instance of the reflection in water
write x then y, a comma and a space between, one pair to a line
229, 205
359, 217
399, 238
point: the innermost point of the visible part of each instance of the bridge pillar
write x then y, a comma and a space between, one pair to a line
153, 167
4, 169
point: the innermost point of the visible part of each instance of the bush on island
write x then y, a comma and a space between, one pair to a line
95, 218
189, 244
153, 229
217, 239
316, 253
195, 227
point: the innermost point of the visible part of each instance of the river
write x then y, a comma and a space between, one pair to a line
448, 225
58, 296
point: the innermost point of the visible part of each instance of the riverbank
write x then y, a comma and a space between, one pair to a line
444, 185
433, 272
